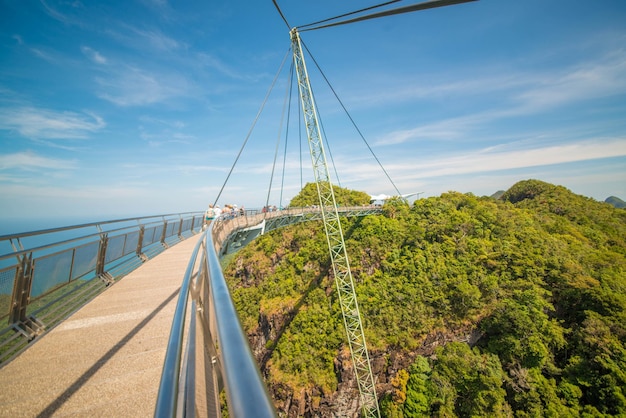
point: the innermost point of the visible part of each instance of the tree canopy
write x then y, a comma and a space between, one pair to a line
499, 307
344, 197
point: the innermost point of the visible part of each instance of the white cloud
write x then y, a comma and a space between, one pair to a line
66, 17
136, 87
518, 93
493, 160
537, 93
52, 12
93, 55
212, 62
30, 161
588, 80
48, 194
157, 39
503, 157
37, 123
46, 56
445, 129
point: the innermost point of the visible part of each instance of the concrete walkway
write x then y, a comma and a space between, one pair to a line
106, 359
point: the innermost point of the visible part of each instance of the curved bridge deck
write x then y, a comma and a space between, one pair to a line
106, 359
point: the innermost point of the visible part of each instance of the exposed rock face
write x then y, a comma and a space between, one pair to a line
344, 402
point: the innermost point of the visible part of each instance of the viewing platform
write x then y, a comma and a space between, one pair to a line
106, 359
159, 288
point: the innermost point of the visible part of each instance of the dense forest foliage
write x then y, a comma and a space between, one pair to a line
471, 306
344, 197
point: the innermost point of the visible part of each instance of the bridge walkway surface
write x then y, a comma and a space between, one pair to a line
106, 359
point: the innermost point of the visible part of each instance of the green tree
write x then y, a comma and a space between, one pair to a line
344, 197
468, 383
538, 278
418, 392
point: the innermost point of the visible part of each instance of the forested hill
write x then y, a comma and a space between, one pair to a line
615, 201
471, 307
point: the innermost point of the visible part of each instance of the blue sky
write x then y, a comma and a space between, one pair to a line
139, 107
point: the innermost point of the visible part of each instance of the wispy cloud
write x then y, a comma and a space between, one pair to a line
440, 130
505, 157
156, 39
37, 123
586, 81
521, 95
160, 139
177, 124
162, 7
495, 159
144, 40
44, 55
30, 161
132, 86
93, 55
54, 196
214, 63
64, 18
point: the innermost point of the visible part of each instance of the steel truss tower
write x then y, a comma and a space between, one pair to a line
334, 236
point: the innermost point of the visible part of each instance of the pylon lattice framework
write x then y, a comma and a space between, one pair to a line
334, 236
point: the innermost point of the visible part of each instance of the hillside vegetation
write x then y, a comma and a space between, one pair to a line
343, 196
471, 307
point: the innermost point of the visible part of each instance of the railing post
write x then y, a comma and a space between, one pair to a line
180, 228
163, 234
21, 289
101, 260
138, 251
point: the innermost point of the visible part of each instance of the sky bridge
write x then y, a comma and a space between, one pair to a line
109, 357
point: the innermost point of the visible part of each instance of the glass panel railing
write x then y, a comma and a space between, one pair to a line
85, 257
47, 274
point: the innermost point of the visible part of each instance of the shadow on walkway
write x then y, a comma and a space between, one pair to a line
65, 396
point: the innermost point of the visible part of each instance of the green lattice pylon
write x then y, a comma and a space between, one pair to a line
334, 236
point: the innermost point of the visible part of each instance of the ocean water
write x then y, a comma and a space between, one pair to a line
21, 225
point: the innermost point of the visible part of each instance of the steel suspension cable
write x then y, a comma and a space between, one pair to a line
325, 138
282, 183
352, 120
280, 128
300, 140
346, 15
280, 12
256, 119
431, 4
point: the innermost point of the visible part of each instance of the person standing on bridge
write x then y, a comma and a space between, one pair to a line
209, 215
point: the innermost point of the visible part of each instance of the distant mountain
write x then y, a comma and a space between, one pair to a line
497, 194
615, 202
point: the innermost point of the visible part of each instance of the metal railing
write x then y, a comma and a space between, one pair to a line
225, 360
46, 275
234, 233
193, 378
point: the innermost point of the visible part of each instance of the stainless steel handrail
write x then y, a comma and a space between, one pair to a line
246, 393
245, 390
234, 366
168, 396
